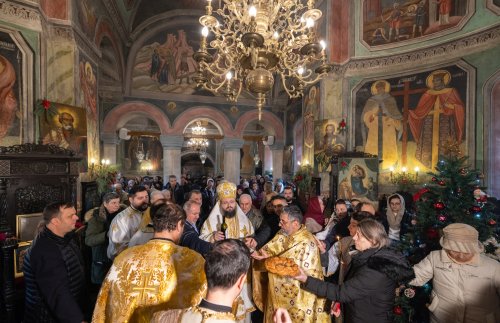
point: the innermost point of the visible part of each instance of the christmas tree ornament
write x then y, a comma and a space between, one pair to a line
434, 179
492, 222
476, 209
432, 233
398, 310
442, 218
442, 183
409, 292
439, 205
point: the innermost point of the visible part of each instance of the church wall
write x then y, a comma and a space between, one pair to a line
472, 44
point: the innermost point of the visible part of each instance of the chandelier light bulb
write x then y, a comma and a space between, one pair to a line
276, 35
323, 44
300, 70
204, 31
309, 23
252, 11
229, 76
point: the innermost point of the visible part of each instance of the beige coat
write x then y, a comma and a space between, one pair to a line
465, 293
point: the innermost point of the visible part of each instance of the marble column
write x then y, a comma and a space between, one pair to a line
172, 145
267, 163
232, 159
277, 152
110, 141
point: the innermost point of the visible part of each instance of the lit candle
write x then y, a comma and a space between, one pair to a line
416, 172
404, 169
392, 170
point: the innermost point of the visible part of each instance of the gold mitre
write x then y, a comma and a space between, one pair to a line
226, 190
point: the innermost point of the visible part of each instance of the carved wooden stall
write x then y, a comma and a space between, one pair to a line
31, 176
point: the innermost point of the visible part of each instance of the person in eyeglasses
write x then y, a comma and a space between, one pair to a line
293, 241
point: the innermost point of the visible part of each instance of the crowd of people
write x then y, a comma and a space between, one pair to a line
196, 252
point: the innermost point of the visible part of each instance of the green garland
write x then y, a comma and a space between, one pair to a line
46, 108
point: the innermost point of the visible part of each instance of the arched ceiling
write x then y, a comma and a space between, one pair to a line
146, 9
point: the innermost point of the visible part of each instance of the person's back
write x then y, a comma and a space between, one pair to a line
157, 275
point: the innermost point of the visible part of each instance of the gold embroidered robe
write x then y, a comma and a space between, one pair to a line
271, 291
238, 227
148, 278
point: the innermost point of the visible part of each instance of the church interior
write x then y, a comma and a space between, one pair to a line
92, 91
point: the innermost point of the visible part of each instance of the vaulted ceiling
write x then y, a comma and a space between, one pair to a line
145, 9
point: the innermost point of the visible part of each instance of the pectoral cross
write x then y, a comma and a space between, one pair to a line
145, 286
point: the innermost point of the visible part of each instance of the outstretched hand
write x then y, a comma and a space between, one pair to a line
281, 315
302, 277
259, 255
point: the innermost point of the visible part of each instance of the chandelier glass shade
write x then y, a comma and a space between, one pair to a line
197, 142
253, 41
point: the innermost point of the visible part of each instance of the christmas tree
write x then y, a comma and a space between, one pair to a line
454, 195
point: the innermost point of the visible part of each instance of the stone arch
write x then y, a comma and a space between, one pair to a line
218, 118
124, 112
491, 154
209, 156
104, 30
270, 122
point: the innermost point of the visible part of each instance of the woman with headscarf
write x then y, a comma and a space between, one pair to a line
400, 221
367, 294
314, 220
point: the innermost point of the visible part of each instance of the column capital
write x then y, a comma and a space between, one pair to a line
232, 143
278, 145
171, 141
110, 138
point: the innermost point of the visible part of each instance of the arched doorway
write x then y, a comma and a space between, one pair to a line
201, 143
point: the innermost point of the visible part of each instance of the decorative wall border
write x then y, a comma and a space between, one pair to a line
20, 15
471, 44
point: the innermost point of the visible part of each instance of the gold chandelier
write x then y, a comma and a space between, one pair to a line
198, 142
252, 40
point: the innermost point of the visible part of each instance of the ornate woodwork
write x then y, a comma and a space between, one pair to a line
31, 176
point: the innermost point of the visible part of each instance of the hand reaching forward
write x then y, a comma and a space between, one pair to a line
259, 255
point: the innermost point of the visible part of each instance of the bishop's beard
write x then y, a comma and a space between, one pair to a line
229, 214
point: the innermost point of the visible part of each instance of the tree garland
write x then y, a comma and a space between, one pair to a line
47, 108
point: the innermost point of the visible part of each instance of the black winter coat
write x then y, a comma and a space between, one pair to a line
55, 280
368, 291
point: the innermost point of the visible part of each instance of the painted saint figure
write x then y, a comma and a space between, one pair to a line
438, 118
64, 136
8, 100
382, 122
444, 11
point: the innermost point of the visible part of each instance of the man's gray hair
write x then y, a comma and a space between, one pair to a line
188, 204
294, 213
246, 196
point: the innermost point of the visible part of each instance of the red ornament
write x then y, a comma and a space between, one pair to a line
46, 104
397, 310
432, 233
442, 183
476, 209
434, 179
492, 222
442, 218
439, 205
342, 124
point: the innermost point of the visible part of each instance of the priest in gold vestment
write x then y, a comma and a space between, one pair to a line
238, 227
155, 276
293, 241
